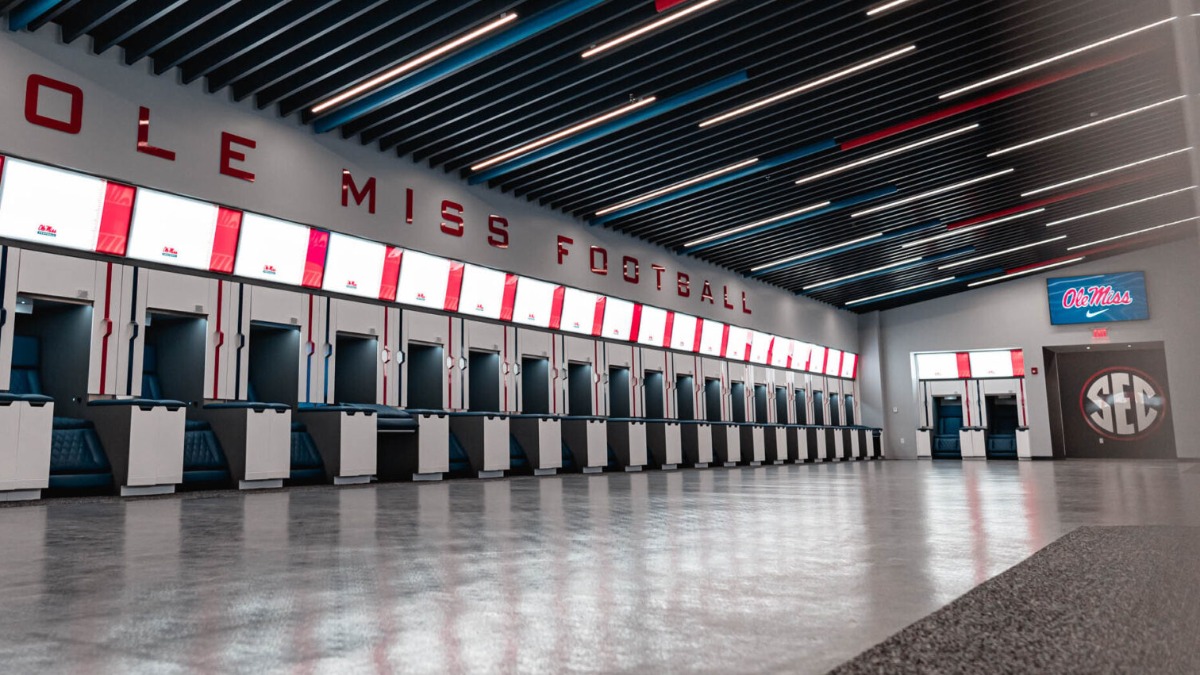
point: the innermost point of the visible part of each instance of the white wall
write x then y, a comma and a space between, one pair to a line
1015, 314
299, 179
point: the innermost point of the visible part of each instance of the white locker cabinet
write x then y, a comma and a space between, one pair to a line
352, 330
422, 335
754, 444
346, 440
25, 458
972, 444
685, 366
665, 440
627, 437
144, 444
257, 441
540, 436
924, 443
1024, 447
776, 439
485, 437
587, 440
627, 392
423, 456
727, 443
696, 441
823, 446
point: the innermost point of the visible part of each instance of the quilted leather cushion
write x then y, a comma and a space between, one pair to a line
945, 443
1003, 443
201, 450
516, 454
459, 461
77, 450
304, 451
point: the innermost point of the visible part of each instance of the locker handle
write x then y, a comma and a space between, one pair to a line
108, 324
220, 339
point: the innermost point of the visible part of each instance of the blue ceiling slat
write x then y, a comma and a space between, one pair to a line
395, 91
625, 122
892, 270
836, 205
28, 12
956, 280
887, 236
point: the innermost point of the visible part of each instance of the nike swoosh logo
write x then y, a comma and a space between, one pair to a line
1091, 314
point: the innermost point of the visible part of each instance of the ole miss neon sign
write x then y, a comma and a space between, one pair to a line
234, 150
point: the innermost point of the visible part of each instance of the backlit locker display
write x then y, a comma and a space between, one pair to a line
816, 360
50, 206
781, 351
712, 339
652, 329
849, 365
739, 342
760, 347
424, 280
534, 303
801, 351
272, 250
618, 319
355, 266
683, 332
482, 292
580, 313
942, 366
182, 232
833, 363
991, 364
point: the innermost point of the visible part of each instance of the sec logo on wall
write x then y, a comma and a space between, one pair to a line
1123, 404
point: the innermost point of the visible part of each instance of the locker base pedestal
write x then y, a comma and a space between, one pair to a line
729, 464
545, 472
147, 490
702, 465
754, 463
593, 469
632, 469
351, 480
670, 467
264, 484
20, 495
426, 477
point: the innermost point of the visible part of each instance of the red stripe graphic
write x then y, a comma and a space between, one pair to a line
635, 326
699, 336
225, 240
724, 339
854, 371
557, 307
981, 101
107, 328
663, 5
1018, 362
220, 338
454, 286
668, 328
314, 263
1, 167
964, 364
391, 273
510, 297
115, 219
598, 316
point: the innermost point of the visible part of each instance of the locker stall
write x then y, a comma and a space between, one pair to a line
82, 313
585, 431
428, 371
627, 389
663, 429
537, 427
482, 429
742, 402
726, 435
971, 405
695, 429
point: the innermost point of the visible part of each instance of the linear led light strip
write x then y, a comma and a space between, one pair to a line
1053, 59
961, 230
569, 131
898, 291
1098, 174
931, 193
677, 186
1135, 202
1089, 125
767, 221
907, 261
653, 25
886, 154
999, 253
860, 240
883, 7
1031, 270
808, 86
421, 60
1131, 234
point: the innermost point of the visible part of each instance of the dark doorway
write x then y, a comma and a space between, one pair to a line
579, 389
535, 386
685, 397
1001, 431
274, 368
801, 407
738, 394
835, 412
483, 378
818, 408
850, 421
355, 375
426, 376
655, 395
712, 400
618, 392
781, 405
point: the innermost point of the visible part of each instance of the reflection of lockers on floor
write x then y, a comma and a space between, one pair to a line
1113, 401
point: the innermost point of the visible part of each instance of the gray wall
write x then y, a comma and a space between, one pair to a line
299, 179
1015, 314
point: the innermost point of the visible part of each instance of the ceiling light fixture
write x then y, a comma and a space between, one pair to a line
900, 291
884, 268
1000, 253
559, 135
1082, 127
931, 193
766, 221
652, 26
1106, 172
961, 230
677, 186
1030, 270
886, 154
1131, 234
806, 254
1135, 202
412, 64
1052, 59
808, 86
886, 6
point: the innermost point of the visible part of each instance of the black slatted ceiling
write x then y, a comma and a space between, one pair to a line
293, 55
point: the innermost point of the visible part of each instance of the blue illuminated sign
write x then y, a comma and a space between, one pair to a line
1100, 298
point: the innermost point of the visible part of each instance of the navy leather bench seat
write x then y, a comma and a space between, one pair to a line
946, 443
306, 461
460, 463
203, 460
77, 459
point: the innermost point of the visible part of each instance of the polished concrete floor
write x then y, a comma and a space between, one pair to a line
774, 569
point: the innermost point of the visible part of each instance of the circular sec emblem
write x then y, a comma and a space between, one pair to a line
1122, 403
